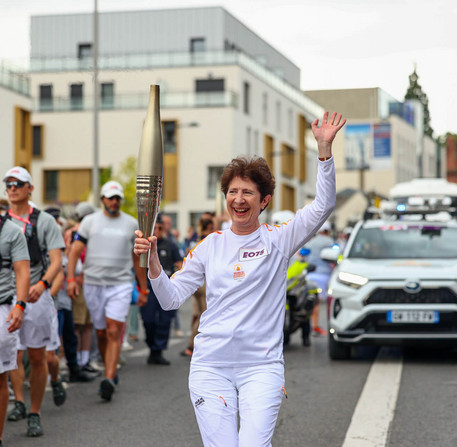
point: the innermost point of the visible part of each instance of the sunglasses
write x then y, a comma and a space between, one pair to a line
17, 184
118, 198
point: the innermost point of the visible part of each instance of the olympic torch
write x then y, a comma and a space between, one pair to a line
150, 169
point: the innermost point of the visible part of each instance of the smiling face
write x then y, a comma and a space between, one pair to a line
244, 205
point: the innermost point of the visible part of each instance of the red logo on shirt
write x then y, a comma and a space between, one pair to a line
238, 273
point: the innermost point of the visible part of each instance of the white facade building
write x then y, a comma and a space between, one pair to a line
224, 92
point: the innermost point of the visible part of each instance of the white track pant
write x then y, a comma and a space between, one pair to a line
218, 394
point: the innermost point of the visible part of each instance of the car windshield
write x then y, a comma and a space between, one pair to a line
399, 241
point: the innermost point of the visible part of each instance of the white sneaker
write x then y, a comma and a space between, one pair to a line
126, 346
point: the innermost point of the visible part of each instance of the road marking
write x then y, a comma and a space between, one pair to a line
375, 409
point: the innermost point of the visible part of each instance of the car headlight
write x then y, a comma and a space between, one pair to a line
352, 280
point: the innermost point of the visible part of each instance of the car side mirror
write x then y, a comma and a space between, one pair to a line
330, 255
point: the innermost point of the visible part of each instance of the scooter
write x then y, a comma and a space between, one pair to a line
302, 295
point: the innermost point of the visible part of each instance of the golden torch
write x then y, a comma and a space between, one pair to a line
150, 169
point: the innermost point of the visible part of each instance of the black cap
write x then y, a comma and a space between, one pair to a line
54, 212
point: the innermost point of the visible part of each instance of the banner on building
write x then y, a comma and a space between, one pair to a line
367, 146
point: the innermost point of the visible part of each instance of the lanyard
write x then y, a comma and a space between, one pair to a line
26, 221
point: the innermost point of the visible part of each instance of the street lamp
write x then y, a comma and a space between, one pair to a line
95, 163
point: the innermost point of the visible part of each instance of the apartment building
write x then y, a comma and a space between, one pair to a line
15, 125
224, 92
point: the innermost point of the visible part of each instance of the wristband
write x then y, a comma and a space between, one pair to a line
21, 305
45, 283
71, 280
143, 292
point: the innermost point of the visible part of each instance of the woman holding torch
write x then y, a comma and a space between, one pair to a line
237, 366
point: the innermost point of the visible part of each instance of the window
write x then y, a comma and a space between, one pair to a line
290, 123
248, 140
107, 95
265, 109
37, 141
66, 185
278, 116
84, 50
287, 160
50, 186
45, 97
209, 85
197, 44
76, 96
256, 142
169, 137
214, 176
246, 99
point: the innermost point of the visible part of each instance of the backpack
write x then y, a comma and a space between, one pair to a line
4, 263
36, 254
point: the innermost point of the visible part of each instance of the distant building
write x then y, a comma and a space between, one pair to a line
224, 92
383, 142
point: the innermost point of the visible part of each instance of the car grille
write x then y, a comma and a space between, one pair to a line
442, 295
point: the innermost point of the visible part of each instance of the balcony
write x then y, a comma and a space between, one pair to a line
14, 81
173, 60
168, 100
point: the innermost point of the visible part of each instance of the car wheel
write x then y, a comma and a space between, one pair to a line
338, 351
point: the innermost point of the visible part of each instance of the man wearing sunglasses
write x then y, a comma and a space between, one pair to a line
45, 244
108, 236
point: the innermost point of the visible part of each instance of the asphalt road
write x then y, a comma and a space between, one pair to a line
152, 408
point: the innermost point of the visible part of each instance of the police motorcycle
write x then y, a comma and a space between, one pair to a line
302, 295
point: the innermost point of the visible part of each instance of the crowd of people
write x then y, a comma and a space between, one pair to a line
63, 280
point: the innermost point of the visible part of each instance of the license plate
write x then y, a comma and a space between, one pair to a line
413, 316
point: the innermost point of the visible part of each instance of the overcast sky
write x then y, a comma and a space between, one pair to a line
336, 43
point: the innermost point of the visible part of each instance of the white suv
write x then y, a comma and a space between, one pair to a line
394, 284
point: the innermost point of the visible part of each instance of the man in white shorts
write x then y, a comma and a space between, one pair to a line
13, 255
45, 244
108, 236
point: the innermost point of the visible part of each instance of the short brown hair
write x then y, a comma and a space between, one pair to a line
255, 169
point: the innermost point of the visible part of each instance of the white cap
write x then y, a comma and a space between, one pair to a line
325, 226
111, 189
83, 209
20, 173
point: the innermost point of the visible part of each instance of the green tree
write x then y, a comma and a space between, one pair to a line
127, 178
415, 92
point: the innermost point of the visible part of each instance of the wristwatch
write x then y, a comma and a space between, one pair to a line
45, 283
22, 304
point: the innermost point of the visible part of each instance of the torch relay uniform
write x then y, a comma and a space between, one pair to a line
108, 277
237, 361
13, 248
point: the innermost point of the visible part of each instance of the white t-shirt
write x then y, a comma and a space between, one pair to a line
245, 284
109, 245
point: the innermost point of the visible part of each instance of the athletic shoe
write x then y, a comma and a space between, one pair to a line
319, 331
107, 388
18, 412
34, 425
126, 346
157, 359
187, 352
89, 368
58, 392
178, 333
